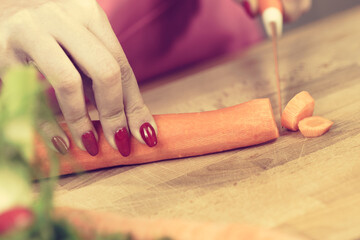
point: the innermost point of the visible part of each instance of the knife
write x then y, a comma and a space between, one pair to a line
272, 16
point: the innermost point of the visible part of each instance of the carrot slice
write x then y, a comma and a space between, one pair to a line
314, 126
179, 135
298, 108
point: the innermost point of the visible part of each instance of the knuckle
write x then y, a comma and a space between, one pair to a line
75, 118
87, 5
50, 6
23, 15
22, 19
51, 9
69, 84
126, 73
136, 108
75, 115
110, 75
112, 114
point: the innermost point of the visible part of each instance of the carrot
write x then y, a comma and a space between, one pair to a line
314, 126
91, 223
298, 108
180, 135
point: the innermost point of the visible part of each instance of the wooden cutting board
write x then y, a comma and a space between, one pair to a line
310, 187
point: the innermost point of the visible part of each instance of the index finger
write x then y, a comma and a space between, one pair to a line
141, 123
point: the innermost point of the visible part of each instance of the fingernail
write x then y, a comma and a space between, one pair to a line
247, 8
122, 141
90, 143
60, 145
148, 134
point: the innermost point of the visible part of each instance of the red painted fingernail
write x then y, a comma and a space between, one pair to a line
247, 7
90, 143
148, 134
15, 219
122, 141
60, 144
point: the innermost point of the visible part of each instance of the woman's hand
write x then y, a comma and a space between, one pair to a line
293, 9
72, 43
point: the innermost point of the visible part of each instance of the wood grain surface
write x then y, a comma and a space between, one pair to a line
309, 187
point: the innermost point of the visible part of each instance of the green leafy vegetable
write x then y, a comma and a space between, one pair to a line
18, 102
23, 106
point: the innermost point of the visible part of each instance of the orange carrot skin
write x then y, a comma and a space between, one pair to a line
179, 135
90, 223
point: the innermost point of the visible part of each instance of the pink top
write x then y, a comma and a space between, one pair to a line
159, 36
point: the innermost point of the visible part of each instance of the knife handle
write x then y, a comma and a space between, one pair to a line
271, 11
265, 4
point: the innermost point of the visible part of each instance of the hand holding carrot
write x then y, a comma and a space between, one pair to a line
72, 43
180, 135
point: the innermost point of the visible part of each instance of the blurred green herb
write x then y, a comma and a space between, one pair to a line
23, 106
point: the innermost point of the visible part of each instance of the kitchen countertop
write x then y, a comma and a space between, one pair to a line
309, 187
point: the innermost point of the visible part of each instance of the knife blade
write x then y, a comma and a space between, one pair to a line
276, 63
271, 13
